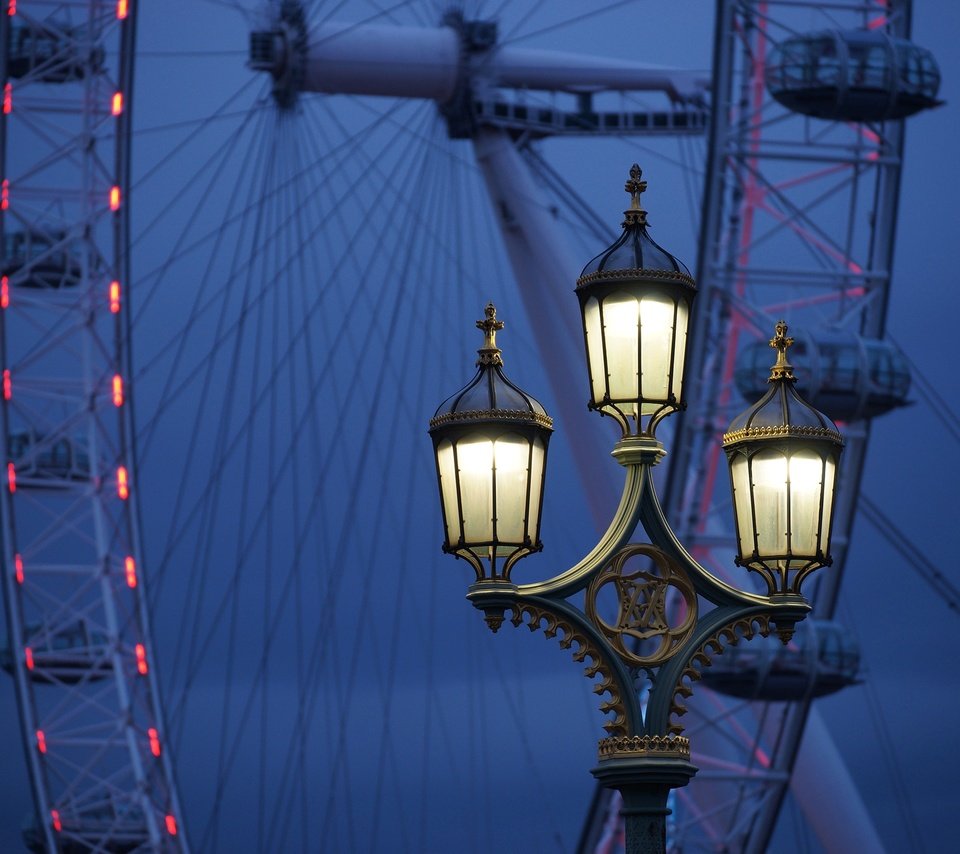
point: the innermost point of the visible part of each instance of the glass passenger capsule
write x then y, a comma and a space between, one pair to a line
821, 659
44, 463
39, 259
853, 75
51, 53
64, 654
841, 373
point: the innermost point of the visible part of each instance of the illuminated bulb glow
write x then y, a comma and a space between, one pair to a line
18, 568
12, 8
171, 823
57, 825
4, 292
154, 737
114, 198
28, 657
141, 652
117, 390
122, 6
116, 104
114, 297
130, 567
123, 485
41, 741
5, 194
7, 98
12, 477
7, 385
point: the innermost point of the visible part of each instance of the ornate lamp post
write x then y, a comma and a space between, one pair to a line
652, 615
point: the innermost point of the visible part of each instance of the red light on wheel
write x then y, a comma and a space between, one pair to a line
114, 297
171, 825
18, 568
117, 390
28, 657
5, 194
7, 385
11, 477
7, 98
116, 103
11, 7
141, 652
41, 741
154, 737
130, 567
57, 826
122, 8
123, 484
114, 198
4, 292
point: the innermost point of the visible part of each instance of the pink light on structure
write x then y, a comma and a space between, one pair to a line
57, 824
141, 653
114, 297
130, 568
41, 741
154, 737
171, 823
123, 484
117, 390
28, 658
813, 240
5, 194
11, 477
18, 568
7, 98
115, 198
12, 7
4, 292
116, 103
7, 384
122, 9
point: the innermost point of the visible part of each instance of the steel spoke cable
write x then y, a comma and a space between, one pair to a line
593, 13
939, 405
907, 549
199, 579
285, 591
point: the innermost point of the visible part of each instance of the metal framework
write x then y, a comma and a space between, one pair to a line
798, 219
79, 647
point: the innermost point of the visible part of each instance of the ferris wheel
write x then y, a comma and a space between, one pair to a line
270, 260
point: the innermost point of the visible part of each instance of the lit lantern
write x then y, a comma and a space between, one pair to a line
783, 457
490, 441
635, 299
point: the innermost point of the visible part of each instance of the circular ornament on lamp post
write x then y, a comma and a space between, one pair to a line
635, 301
783, 457
490, 442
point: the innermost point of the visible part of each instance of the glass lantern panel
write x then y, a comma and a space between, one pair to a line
591, 324
829, 484
680, 347
740, 477
448, 491
769, 474
656, 341
511, 458
621, 318
538, 456
475, 473
806, 489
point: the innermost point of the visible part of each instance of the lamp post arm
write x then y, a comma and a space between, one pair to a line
661, 535
560, 619
637, 455
715, 631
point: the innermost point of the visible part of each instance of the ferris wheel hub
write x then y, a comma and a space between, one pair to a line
282, 52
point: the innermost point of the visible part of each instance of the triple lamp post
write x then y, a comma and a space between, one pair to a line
652, 615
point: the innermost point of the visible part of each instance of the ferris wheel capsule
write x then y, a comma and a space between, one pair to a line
856, 75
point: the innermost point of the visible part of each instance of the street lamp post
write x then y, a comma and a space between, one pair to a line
652, 615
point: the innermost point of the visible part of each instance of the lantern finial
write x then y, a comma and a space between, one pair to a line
490, 352
636, 215
782, 369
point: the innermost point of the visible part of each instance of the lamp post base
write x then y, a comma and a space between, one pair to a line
644, 769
